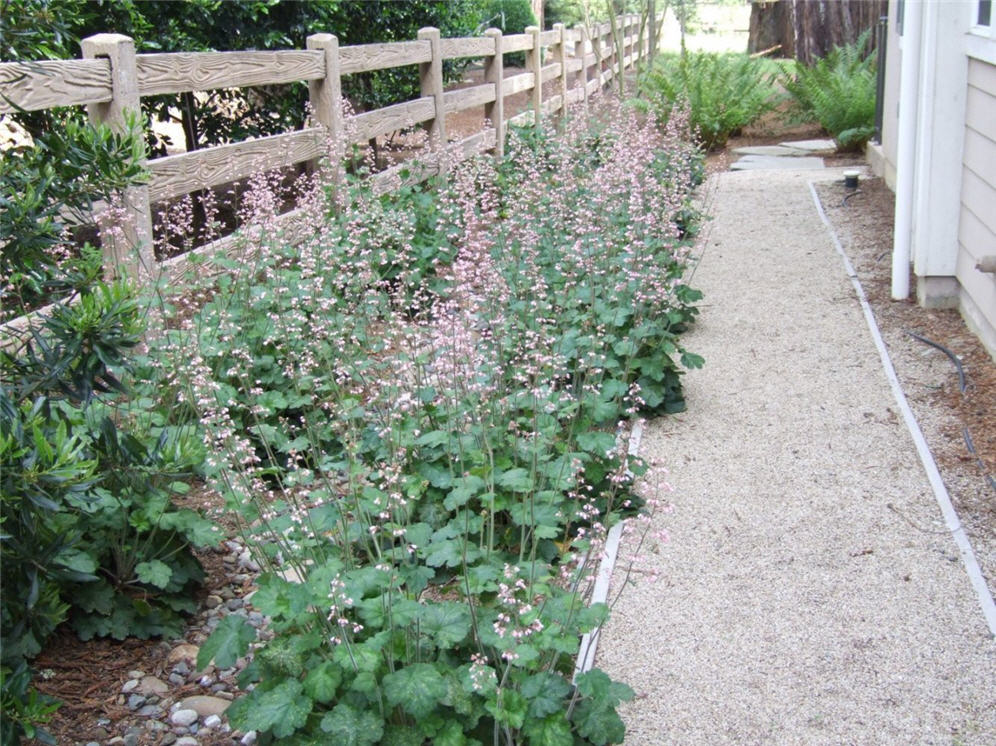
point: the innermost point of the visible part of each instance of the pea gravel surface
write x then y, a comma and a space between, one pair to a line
810, 592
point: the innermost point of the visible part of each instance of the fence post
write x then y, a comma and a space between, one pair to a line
596, 48
494, 73
134, 255
534, 61
560, 57
580, 53
326, 100
431, 77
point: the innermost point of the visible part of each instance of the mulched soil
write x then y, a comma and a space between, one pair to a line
929, 378
87, 677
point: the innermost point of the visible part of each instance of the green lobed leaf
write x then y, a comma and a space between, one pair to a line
229, 642
154, 572
550, 731
546, 692
417, 689
448, 623
348, 726
282, 709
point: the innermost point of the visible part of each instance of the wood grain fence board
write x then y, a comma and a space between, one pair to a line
457, 48
202, 169
290, 227
552, 104
176, 72
522, 120
574, 64
574, 95
593, 86
516, 43
549, 37
360, 58
44, 85
549, 72
362, 127
517, 83
468, 98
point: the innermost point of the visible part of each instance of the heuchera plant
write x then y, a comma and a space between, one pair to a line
415, 412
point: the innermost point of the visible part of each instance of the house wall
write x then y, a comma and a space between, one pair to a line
954, 165
977, 219
882, 156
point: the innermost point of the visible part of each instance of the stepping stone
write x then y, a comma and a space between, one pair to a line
767, 162
811, 146
770, 150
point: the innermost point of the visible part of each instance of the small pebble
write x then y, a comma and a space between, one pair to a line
129, 686
183, 717
168, 738
234, 603
181, 668
131, 739
136, 674
249, 738
212, 721
116, 741
150, 711
185, 741
176, 679
212, 601
135, 701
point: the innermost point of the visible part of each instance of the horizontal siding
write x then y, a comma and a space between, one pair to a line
977, 223
979, 197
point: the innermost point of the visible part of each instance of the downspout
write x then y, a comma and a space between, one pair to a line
909, 80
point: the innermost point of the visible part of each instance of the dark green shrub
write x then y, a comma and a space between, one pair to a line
839, 92
724, 92
86, 481
51, 188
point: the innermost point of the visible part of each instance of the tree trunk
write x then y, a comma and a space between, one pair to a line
808, 29
538, 12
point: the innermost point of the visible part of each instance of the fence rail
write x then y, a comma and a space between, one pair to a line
112, 79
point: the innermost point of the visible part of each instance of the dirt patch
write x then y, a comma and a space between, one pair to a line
959, 425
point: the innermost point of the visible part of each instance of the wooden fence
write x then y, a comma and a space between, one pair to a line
111, 79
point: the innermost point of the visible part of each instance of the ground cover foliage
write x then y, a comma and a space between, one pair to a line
838, 91
414, 414
723, 92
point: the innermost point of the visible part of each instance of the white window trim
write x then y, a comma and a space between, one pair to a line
980, 43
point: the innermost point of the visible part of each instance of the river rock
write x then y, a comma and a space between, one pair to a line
152, 685
184, 717
205, 706
185, 652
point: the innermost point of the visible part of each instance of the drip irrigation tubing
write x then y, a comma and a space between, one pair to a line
963, 385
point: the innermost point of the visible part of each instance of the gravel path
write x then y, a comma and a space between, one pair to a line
810, 593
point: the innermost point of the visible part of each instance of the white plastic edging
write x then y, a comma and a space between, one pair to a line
926, 458
589, 641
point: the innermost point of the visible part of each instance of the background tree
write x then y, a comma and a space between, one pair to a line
808, 29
